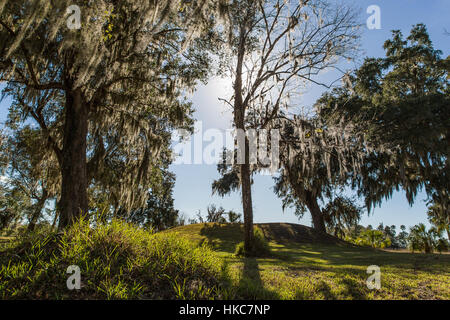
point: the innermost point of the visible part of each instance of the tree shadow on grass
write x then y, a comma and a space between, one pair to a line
323, 255
321, 291
223, 236
325, 289
250, 284
354, 289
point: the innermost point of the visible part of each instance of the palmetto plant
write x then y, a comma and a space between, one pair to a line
439, 217
421, 239
373, 238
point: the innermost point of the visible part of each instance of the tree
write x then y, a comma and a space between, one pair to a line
233, 217
12, 201
400, 104
215, 214
219, 215
402, 237
274, 46
14, 205
341, 215
372, 238
114, 174
111, 81
160, 213
390, 232
316, 159
439, 218
32, 170
425, 240
15, 201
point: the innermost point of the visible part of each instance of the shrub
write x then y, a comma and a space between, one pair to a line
371, 238
260, 246
421, 239
116, 260
442, 245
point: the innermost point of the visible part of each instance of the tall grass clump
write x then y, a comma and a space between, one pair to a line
260, 246
116, 260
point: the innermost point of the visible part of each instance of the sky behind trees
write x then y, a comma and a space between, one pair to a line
193, 185
193, 182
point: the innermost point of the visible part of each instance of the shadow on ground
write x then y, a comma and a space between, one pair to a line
223, 237
302, 245
250, 283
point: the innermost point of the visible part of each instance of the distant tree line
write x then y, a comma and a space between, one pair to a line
217, 215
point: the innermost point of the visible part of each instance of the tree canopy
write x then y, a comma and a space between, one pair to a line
400, 106
103, 94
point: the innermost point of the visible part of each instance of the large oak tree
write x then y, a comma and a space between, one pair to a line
109, 84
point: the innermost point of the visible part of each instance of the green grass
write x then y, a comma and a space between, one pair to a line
323, 271
117, 261
120, 261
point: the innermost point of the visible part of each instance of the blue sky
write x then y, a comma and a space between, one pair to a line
193, 186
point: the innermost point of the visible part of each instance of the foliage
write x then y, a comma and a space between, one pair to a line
371, 238
340, 214
234, 217
117, 261
260, 247
421, 239
160, 213
400, 106
31, 170
383, 236
216, 215
220, 215
229, 176
14, 205
104, 96
439, 218
402, 237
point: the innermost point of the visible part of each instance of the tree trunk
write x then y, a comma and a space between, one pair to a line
37, 211
247, 206
239, 121
311, 202
55, 218
74, 201
316, 213
246, 188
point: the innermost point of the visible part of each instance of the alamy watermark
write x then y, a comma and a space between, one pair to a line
207, 146
374, 20
74, 281
74, 19
374, 280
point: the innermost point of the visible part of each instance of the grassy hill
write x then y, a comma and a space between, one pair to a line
120, 261
307, 265
116, 261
